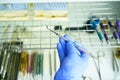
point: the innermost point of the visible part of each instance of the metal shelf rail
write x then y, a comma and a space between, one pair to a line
34, 37
34, 34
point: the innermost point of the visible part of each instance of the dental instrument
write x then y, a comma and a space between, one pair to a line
104, 32
81, 49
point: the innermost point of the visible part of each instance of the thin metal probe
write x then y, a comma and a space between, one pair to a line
3, 62
85, 51
57, 34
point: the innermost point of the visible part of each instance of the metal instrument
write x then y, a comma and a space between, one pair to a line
81, 49
97, 64
115, 62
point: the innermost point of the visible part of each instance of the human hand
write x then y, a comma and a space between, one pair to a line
72, 65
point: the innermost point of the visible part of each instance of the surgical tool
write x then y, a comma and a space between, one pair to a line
81, 49
94, 23
39, 64
118, 27
50, 63
6, 65
23, 63
55, 61
97, 30
30, 63
98, 61
104, 32
3, 62
115, 63
0, 56
113, 31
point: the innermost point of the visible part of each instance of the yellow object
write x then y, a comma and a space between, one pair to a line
50, 15
24, 61
13, 15
31, 14
118, 53
105, 22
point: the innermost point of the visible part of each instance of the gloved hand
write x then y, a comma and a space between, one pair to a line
72, 65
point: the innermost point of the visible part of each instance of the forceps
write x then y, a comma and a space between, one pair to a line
81, 49
98, 61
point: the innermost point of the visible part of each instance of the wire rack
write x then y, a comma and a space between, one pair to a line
34, 34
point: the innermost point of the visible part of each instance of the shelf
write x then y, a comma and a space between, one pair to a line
37, 36
37, 39
46, 1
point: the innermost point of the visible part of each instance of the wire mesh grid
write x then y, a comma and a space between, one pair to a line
35, 35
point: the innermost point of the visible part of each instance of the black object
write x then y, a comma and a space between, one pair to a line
74, 28
13, 61
88, 28
58, 27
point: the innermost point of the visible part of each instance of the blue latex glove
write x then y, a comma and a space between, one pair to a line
72, 65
